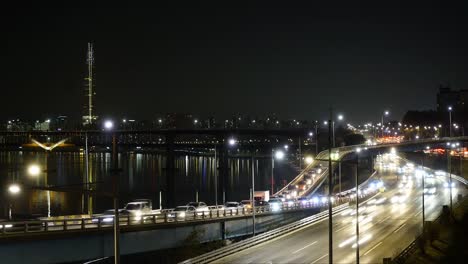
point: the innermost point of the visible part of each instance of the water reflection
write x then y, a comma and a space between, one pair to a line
142, 176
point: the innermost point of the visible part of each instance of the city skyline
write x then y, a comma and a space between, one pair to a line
213, 61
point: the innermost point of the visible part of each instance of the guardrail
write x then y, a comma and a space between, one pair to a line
166, 217
236, 247
247, 243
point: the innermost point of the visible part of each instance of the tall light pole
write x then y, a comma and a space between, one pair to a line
215, 176
340, 118
279, 155
357, 204
330, 186
316, 137
385, 113
450, 121
253, 195
108, 126
449, 168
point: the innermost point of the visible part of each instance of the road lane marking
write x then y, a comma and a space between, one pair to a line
319, 259
339, 229
384, 219
398, 229
304, 247
368, 251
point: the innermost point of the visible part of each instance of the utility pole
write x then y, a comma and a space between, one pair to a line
357, 207
253, 195
116, 200
316, 138
423, 178
215, 176
330, 187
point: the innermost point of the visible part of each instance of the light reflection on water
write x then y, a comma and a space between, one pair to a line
142, 176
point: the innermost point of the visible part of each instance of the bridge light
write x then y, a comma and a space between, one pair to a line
34, 170
232, 142
108, 125
14, 188
279, 154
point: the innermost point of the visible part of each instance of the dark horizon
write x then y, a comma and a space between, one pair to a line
295, 61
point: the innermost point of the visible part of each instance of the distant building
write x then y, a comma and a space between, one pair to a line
179, 121
42, 126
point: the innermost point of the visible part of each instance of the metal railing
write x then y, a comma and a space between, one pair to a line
161, 217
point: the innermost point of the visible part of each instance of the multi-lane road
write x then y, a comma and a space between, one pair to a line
389, 222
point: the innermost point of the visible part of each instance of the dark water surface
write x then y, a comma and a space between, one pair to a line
142, 176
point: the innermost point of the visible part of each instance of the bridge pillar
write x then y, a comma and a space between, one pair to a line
170, 193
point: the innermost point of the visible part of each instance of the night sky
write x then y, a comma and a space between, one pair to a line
292, 60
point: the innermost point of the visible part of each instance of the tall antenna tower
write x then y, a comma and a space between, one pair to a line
89, 118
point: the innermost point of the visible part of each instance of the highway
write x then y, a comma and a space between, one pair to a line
385, 229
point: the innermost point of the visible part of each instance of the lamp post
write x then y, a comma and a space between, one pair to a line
215, 176
279, 155
450, 121
13, 189
330, 186
253, 196
316, 137
108, 125
340, 118
358, 150
449, 168
385, 113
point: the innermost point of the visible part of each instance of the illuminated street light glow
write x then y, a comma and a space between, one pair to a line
358, 150
108, 125
450, 108
14, 188
309, 159
286, 146
311, 134
340, 117
232, 142
34, 170
387, 113
279, 154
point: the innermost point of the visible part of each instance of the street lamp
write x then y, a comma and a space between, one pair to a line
279, 155
385, 113
14, 188
232, 142
34, 170
309, 160
340, 118
450, 121
108, 125
358, 150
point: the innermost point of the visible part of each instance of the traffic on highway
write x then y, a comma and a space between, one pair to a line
386, 219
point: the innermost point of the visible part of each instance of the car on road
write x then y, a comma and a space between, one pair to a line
182, 213
275, 204
233, 207
200, 207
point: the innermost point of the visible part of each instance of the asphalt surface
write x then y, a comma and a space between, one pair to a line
385, 229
